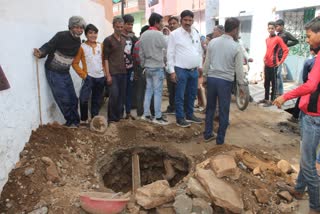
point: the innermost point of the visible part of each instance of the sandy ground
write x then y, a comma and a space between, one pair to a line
82, 156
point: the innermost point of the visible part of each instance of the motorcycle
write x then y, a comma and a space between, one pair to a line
241, 92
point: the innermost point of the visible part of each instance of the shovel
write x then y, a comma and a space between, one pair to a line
38, 87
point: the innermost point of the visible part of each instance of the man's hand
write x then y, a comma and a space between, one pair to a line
200, 71
109, 79
204, 82
173, 77
37, 52
279, 101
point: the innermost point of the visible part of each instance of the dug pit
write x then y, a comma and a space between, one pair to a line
155, 164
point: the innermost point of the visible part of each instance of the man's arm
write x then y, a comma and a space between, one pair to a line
285, 50
106, 54
239, 66
141, 53
291, 39
82, 72
47, 48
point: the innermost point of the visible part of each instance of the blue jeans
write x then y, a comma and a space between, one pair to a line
218, 89
94, 87
154, 77
308, 177
280, 80
64, 94
187, 83
129, 90
117, 97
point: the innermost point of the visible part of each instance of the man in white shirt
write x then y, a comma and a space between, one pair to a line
184, 60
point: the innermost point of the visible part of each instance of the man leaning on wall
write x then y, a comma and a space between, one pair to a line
61, 50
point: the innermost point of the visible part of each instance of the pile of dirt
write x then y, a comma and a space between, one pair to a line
79, 156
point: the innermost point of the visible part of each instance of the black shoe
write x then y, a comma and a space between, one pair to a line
147, 118
293, 119
183, 123
193, 119
210, 138
160, 121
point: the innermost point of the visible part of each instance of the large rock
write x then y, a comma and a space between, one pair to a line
52, 171
284, 166
286, 195
165, 209
224, 166
200, 206
288, 208
197, 189
182, 204
154, 194
262, 195
221, 193
98, 124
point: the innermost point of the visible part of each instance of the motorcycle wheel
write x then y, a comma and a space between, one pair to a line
242, 99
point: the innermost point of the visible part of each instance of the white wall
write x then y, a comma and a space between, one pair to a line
26, 25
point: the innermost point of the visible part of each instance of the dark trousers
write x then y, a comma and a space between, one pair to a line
94, 87
129, 89
172, 93
270, 75
187, 84
64, 94
117, 97
218, 89
296, 109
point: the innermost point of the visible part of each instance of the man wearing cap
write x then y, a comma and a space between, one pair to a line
61, 50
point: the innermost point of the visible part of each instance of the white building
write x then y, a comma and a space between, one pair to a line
255, 15
27, 25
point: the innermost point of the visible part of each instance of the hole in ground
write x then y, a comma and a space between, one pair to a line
117, 169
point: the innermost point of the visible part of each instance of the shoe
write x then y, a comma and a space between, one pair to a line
285, 187
262, 101
183, 123
129, 116
210, 138
84, 124
194, 119
292, 119
160, 121
73, 126
267, 104
146, 118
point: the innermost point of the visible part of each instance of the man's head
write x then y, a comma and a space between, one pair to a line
313, 32
76, 25
279, 25
272, 28
218, 30
173, 23
91, 32
186, 18
118, 25
128, 23
156, 20
231, 27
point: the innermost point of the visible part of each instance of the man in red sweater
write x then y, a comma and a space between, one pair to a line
310, 125
271, 62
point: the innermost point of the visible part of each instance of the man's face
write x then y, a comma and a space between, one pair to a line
118, 27
159, 25
279, 28
127, 27
92, 36
271, 30
173, 24
313, 39
186, 23
77, 30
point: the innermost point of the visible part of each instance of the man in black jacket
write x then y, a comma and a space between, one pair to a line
289, 40
61, 50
